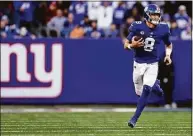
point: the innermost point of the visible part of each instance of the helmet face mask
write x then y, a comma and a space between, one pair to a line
152, 14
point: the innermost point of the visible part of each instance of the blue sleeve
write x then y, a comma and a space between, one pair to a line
166, 37
130, 36
17, 4
132, 31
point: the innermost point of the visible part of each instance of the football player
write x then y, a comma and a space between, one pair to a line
144, 38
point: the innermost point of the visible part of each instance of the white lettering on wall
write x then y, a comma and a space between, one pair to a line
54, 75
21, 58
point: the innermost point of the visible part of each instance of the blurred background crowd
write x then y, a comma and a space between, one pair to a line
80, 19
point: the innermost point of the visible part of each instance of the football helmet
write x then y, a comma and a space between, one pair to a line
152, 9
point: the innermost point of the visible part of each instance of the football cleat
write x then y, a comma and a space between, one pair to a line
131, 124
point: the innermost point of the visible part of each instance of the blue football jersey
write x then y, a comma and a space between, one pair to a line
153, 38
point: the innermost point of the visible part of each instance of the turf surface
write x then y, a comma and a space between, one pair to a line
95, 124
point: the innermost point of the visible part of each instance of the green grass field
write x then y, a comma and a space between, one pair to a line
95, 124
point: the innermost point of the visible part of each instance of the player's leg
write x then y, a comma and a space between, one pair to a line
138, 84
138, 81
157, 89
138, 72
142, 102
149, 79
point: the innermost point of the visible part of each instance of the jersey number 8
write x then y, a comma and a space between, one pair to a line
149, 43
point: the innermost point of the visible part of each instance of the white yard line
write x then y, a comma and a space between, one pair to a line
36, 110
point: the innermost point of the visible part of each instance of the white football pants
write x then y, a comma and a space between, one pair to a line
144, 74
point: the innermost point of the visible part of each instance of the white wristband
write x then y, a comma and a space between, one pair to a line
129, 46
168, 52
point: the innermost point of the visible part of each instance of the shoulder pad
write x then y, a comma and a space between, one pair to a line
165, 25
137, 22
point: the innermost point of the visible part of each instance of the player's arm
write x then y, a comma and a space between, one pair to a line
130, 42
168, 48
167, 58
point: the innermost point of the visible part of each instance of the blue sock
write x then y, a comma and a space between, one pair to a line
154, 87
142, 102
157, 89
